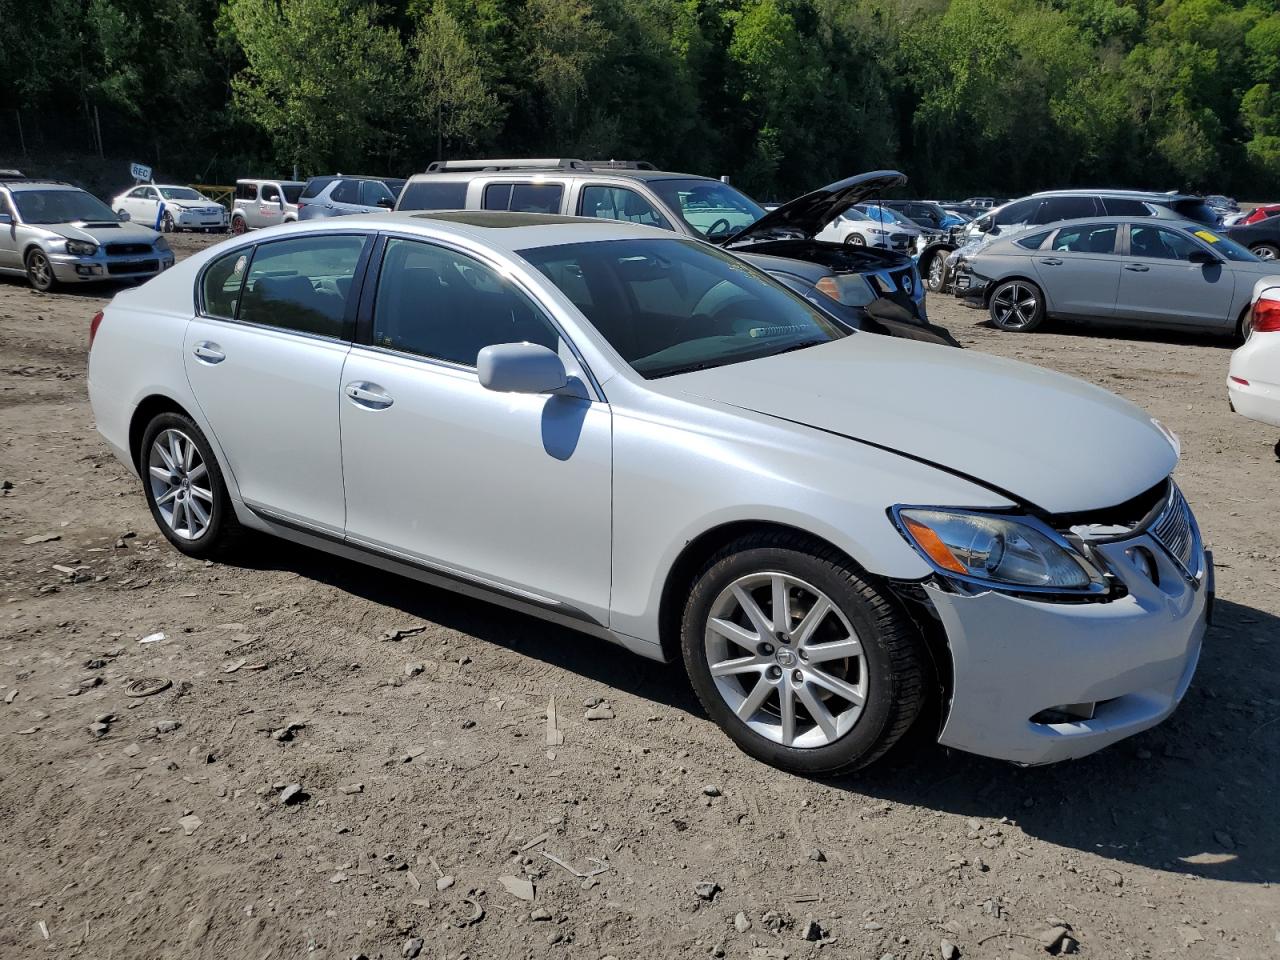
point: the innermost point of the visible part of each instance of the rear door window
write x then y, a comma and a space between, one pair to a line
434, 195
1090, 238
524, 197
246, 191
222, 282
1124, 207
1054, 209
302, 284
346, 191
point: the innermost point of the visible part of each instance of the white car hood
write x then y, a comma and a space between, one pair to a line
1047, 439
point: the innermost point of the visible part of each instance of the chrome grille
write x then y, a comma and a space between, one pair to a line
1175, 529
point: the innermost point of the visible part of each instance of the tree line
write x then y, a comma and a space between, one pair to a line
965, 96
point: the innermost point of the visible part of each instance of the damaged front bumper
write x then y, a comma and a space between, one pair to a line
1037, 682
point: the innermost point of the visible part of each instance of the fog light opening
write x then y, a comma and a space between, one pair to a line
1066, 713
1145, 563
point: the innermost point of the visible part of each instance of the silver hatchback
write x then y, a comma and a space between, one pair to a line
52, 232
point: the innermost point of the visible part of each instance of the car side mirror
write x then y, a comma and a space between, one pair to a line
387, 202
1204, 258
124, 216
520, 368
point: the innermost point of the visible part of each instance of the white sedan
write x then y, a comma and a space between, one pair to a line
1253, 382
647, 439
169, 208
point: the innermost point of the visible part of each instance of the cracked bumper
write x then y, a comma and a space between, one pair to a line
1132, 658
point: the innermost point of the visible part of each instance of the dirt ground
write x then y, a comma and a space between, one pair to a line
426, 775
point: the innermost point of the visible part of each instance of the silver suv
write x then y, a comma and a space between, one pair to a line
264, 203
340, 196
52, 232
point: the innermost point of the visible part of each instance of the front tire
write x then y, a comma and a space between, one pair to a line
1265, 251
238, 226
167, 225
936, 272
854, 240
40, 271
798, 658
185, 489
1016, 306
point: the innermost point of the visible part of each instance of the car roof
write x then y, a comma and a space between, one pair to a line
1153, 195
27, 184
271, 180
623, 173
500, 229
1106, 221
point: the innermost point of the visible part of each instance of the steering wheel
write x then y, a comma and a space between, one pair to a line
712, 231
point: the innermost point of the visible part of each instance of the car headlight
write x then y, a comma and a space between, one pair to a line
81, 248
878, 231
997, 551
162, 244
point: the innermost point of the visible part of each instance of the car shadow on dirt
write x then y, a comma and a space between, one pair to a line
1105, 331
1194, 795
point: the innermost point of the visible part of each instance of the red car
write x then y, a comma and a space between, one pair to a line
1259, 213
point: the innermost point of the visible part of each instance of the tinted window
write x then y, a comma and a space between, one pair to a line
345, 191
292, 191
619, 203
1091, 238
434, 195
1019, 212
1035, 241
270, 193
1195, 209
1160, 243
222, 282
246, 191
371, 191
302, 284
1065, 208
314, 186
524, 197
671, 306
439, 303
1121, 207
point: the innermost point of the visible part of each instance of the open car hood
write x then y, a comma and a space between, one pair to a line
804, 217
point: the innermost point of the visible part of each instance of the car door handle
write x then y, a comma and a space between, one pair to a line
1137, 267
369, 395
209, 352
1051, 261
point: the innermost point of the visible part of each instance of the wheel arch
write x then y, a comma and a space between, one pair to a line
146, 411
910, 598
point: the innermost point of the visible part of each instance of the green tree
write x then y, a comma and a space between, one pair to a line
453, 94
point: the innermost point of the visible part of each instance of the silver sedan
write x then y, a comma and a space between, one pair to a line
1178, 275
645, 438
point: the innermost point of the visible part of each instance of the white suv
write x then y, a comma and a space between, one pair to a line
264, 203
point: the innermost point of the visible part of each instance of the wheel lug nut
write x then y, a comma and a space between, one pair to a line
797, 676
775, 673
766, 649
782, 636
804, 654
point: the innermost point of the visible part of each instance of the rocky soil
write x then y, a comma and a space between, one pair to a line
300, 757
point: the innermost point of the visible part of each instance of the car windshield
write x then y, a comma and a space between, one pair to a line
883, 214
713, 209
1223, 246
672, 306
60, 206
181, 193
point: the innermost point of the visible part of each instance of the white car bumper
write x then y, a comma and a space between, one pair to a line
1120, 666
1254, 380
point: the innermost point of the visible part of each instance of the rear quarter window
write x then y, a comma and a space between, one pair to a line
426, 195
1033, 242
221, 284
315, 186
1195, 209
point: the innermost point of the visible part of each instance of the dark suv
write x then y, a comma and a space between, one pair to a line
339, 195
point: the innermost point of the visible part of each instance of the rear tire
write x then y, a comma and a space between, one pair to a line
185, 489
789, 697
1016, 306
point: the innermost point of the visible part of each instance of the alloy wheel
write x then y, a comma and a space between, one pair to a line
1014, 306
786, 660
40, 271
179, 481
1264, 252
937, 270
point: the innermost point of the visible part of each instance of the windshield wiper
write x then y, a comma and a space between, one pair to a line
802, 345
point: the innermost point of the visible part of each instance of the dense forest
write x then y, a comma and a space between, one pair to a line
998, 96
